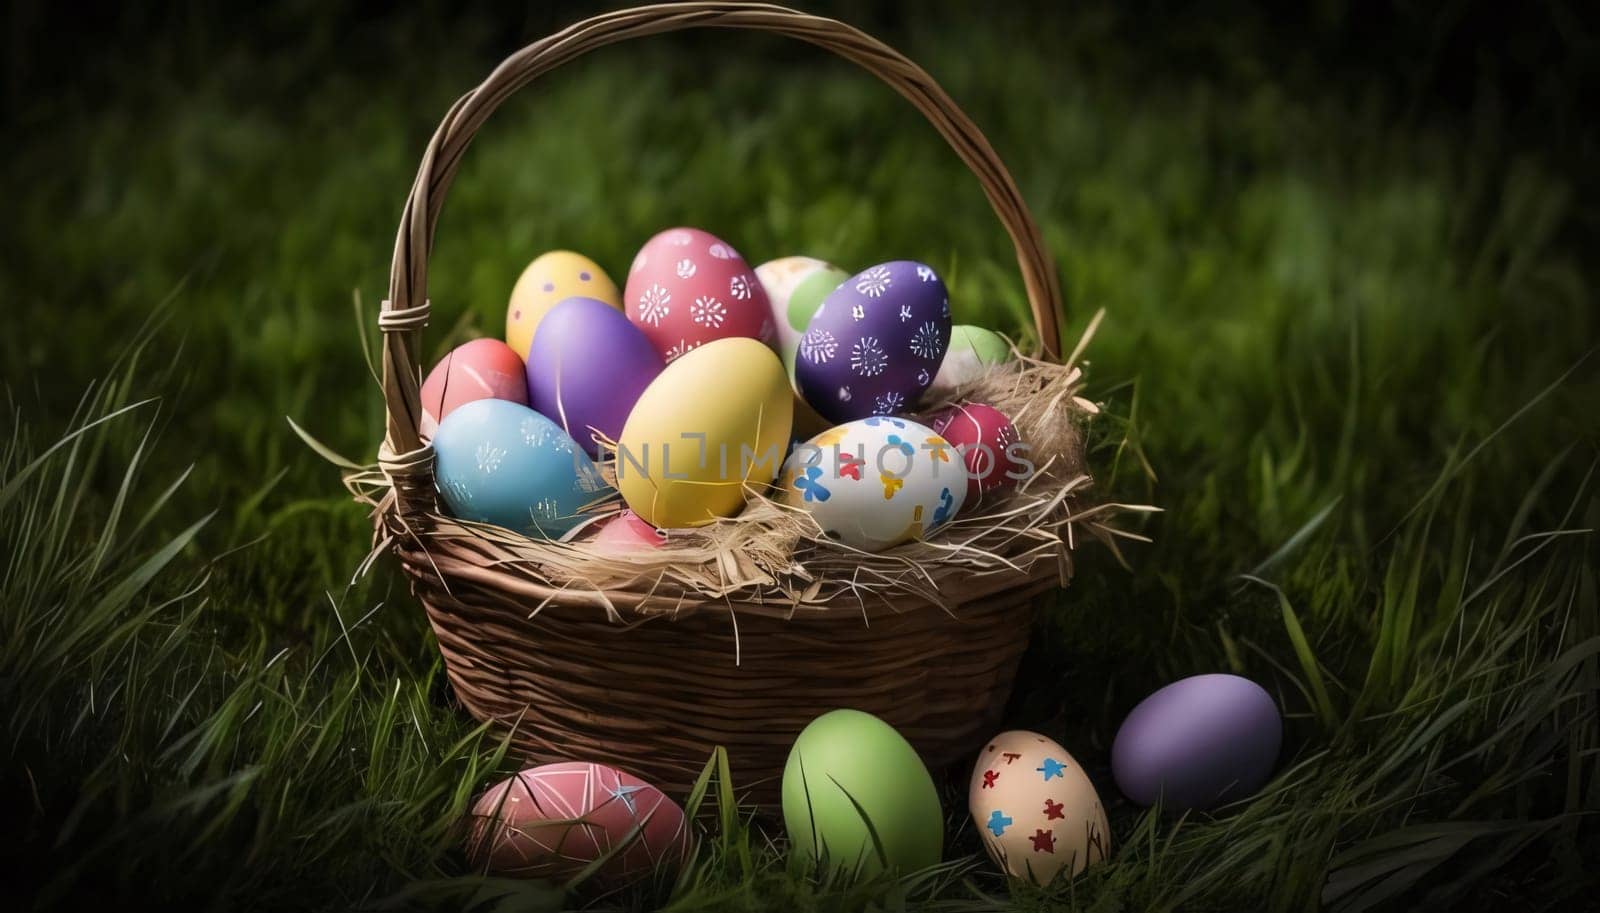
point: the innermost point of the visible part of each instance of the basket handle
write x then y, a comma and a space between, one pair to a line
406, 310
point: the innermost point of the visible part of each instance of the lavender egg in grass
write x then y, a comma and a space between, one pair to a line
1197, 743
875, 343
587, 366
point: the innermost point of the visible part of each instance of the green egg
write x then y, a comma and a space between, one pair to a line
808, 295
989, 347
857, 798
803, 302
972, 351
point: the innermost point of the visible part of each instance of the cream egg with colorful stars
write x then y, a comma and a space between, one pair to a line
1035, 809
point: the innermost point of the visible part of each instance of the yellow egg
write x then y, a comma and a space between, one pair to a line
549, 280
715, 419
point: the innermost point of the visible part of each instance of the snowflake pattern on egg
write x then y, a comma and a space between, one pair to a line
460, 493
654, 304
589, 480
1006, 435
722, 251
818, 346
867, 357
739, 287
925, 272
925, 341
874, 282
682, 348
708, 311
534, 432
888, 403
546, 509
685, 268
489, 457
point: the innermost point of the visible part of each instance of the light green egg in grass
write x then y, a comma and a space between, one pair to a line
857, 798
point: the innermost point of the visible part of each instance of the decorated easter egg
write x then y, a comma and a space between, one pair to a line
480, 369
626, 532
710, 423
849, 768
876, 482
1035, 808
875, 343
552, 821
795, 289
973, 350
587, 367
688, 287
1198, 742
988, 443
500, 462
548, 280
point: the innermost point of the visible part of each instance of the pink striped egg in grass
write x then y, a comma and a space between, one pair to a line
556, 820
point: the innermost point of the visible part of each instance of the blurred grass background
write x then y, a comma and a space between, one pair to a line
1345, 257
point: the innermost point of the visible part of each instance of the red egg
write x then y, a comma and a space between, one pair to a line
480, 369
688, 287
628, 530
985, 438
552, 821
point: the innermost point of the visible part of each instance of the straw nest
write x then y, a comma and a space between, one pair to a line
772, 556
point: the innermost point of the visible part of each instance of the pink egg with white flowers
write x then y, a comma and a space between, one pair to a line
688, 287
987, 441
480, 369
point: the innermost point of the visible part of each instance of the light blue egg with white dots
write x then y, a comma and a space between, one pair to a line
500, 462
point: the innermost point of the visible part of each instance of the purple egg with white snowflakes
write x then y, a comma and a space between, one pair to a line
1198, 742
875, 343
587, 366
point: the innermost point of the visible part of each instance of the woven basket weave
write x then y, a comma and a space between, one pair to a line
651, 677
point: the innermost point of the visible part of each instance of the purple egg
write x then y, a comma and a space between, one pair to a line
586, 368
1198, 742
875, 343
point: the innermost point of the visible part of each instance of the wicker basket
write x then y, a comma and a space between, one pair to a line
651, 679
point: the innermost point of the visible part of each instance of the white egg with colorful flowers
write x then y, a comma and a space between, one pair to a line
876, 482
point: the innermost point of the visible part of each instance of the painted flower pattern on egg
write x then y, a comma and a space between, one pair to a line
984, 436
688, 287
875, 483
875, 343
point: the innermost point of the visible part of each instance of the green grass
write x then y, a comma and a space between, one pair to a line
1348, 356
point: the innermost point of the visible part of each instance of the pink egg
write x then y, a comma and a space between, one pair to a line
688, 287
552, 821
480, 369
985, 438
628, 530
